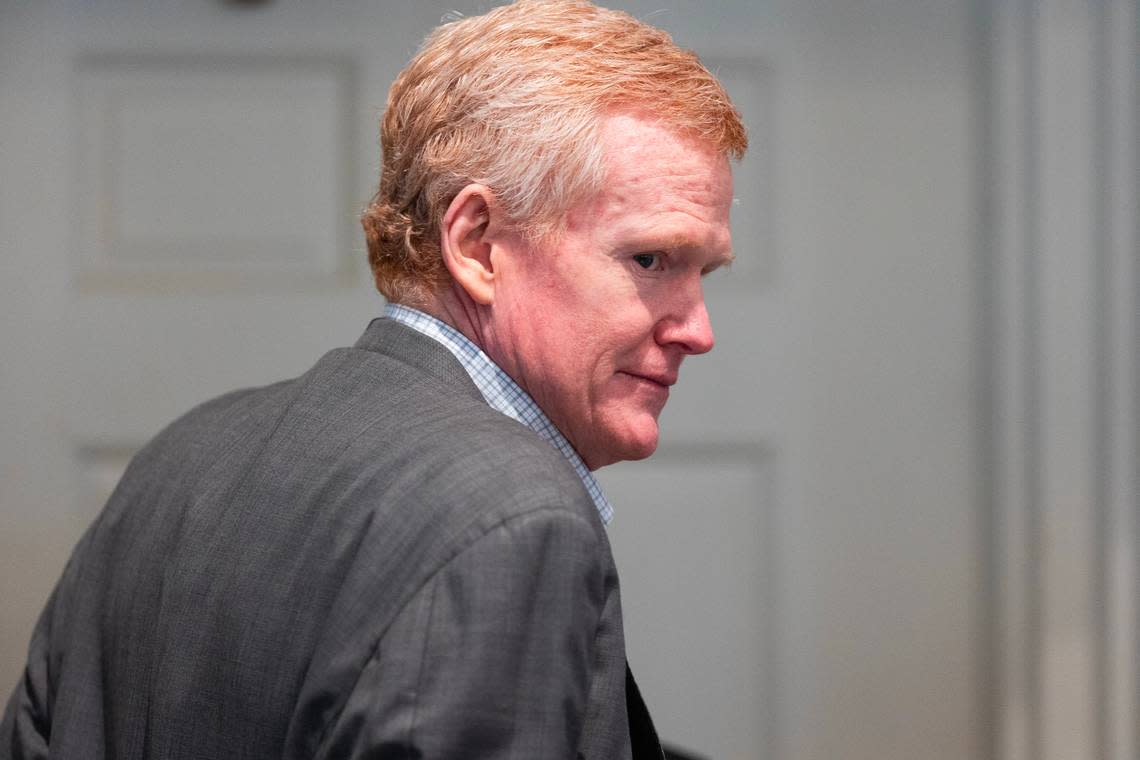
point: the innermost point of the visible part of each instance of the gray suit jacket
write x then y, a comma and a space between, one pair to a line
366, 561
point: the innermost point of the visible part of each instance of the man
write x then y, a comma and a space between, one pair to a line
401, 554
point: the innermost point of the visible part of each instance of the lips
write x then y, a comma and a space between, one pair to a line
663, 379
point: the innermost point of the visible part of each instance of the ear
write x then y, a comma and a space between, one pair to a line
465, 241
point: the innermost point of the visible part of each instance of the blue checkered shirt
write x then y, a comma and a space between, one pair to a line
501, 392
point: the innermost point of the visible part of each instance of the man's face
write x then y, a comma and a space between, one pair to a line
595, 326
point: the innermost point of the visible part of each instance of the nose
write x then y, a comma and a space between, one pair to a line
687, 325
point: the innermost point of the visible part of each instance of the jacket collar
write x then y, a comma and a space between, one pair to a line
396, 341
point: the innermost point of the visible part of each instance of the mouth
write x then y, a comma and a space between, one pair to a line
661, 380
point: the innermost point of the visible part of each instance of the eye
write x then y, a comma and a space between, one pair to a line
650, 261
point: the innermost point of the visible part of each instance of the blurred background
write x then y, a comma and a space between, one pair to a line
893, 515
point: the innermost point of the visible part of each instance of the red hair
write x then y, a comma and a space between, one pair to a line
514, 99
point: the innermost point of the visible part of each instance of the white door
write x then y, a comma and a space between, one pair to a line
179, 187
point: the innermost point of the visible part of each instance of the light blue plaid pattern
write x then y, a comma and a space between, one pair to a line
501, 392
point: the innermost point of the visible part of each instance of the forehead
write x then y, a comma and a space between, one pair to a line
659, 180
640, 148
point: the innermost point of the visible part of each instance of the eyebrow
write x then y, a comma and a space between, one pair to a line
680, 242
720, 262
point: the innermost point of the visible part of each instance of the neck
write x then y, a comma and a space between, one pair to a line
452, 305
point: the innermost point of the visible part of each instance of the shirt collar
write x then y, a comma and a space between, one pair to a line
501, 392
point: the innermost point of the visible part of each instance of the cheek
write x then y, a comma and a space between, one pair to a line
574, 355
584, 334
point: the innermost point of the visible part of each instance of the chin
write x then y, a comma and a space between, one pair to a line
629, 446
641, 449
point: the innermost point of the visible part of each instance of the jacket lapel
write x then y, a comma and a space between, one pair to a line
642, 735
